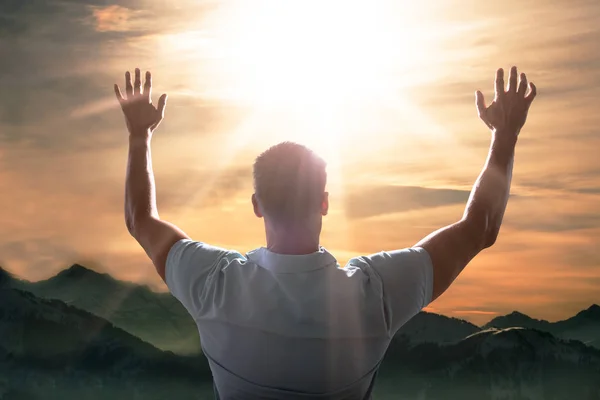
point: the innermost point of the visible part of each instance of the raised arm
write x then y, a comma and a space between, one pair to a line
141, 214
453, 247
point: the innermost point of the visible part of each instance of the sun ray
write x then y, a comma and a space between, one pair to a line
328, 74
242, 136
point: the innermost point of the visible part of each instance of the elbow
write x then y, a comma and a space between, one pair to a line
483, 232
490, 238
491, 233
132, 223
136, 225
129, 223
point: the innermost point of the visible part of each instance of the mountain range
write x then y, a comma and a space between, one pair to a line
511, 363
585, 326
160, 319
82, 334
157, 318
51, 350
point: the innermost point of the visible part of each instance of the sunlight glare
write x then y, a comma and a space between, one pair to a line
317, 53
323, 73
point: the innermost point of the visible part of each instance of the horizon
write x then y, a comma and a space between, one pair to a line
77, 265
392, 111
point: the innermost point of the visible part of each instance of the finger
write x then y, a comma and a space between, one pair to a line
481, 108
522, 86
137, 85
512, 81
128, 86
162, 103
148, 87
119, 95
499, 86
532, 93
480, 103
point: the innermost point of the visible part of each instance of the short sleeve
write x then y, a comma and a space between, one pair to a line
189, 269
407, 283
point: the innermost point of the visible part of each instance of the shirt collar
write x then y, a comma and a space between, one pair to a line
290, 263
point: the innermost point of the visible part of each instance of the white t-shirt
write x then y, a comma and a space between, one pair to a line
276, 326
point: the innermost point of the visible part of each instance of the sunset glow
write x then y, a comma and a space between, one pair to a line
383, 89
320, 70
315, 53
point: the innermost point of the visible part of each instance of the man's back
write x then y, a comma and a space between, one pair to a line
274, 331
296, 326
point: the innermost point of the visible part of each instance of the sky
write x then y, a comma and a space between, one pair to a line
383, 90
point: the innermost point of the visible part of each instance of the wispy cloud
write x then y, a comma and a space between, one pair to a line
372, 201
405, 173
113, 18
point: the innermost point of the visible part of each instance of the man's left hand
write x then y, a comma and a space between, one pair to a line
141, 115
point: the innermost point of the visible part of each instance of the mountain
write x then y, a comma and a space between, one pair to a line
161, 320
512, 363
157, 318
585, 326
517, 319
435, 328
48, 347
5, 277
52, 350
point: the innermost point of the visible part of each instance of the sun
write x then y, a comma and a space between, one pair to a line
330, 74
318, 72
306, 53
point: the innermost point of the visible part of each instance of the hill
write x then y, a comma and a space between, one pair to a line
52, 350
49, 350
161, 320
157, 318
584, 326
428, 327
512, 363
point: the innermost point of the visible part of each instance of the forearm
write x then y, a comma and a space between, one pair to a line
140, 191
489, 197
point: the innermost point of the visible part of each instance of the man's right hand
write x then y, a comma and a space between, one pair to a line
454, 246
506, 115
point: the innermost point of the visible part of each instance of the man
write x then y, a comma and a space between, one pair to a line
286, 321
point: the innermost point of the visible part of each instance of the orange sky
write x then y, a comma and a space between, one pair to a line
390, 106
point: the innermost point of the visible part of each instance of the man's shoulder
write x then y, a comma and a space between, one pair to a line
200, 251
384, 260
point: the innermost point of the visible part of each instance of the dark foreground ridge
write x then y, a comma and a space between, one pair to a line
66, 351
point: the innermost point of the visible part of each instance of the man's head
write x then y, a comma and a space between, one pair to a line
289, 186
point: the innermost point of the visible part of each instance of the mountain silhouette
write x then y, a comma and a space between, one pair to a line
53, 350
76, 271
157, 318
49, 349
428, 327
592, 313
5, 277
517, 319
511, 363
584, 326
160, 319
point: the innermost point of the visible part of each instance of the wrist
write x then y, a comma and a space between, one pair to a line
502, 149
505, 137
140, 137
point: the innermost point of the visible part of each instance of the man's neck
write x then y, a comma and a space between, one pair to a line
293, 248
292, 241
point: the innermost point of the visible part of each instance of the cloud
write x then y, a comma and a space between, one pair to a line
202, 189
63, 146
477, 312
18, 17
373, 201
112, 18
553, 214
